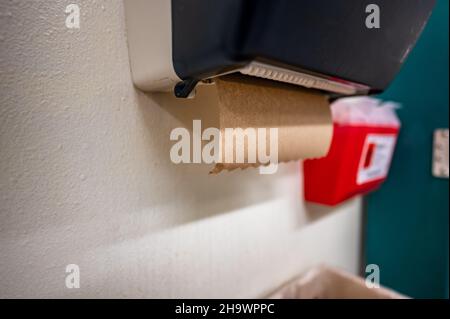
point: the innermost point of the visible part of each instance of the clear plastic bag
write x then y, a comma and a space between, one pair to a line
356, 111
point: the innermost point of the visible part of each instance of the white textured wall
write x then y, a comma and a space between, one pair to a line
85, 178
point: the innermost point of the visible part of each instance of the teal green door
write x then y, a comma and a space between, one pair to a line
408, 218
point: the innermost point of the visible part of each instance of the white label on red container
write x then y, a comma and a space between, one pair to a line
376, 157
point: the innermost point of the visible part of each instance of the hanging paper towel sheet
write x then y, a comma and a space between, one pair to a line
302, 117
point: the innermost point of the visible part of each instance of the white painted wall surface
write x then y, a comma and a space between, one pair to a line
85, 178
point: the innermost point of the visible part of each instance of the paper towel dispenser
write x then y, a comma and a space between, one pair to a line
321, 44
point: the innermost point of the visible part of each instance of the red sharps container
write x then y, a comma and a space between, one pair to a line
364, 138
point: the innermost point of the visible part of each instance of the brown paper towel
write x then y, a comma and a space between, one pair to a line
302, 116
